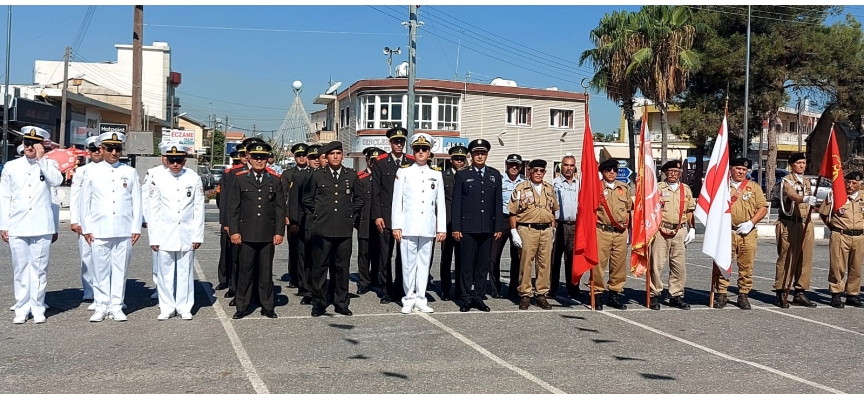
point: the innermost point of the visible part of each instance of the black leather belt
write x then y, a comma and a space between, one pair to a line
672, 226
848, 232
784, 217
538, 227
609, 228
566, 222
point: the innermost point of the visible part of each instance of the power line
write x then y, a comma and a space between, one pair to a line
228, 28
85, 25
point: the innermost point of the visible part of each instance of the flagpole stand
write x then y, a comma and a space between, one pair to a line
591, 284
713, 284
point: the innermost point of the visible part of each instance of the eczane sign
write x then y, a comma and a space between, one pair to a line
176, 136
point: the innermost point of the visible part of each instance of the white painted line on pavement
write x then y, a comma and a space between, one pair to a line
839, 328
248, 367
727, 356
489, 355
755, 276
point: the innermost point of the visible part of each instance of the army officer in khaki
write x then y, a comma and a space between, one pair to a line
532, 209
846, 244
676, 231
748, 207
613, 220
794, 235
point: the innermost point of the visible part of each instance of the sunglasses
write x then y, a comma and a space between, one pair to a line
536, 170
459, 159
92, 149
112, 149
176, 160
257, 157
421, 149
609, 169
29, 142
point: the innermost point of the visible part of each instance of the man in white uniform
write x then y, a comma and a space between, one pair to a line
27, 222
176, 230
419, 217
110, 217
74, 192
145, 209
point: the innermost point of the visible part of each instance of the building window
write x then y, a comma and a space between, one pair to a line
92, 123
423, 112
560, 118
448, 113
519, 116
793, 127
367, 114
391, 111
344, 114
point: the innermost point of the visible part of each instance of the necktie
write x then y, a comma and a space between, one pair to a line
480, 172
335, 175
258, 178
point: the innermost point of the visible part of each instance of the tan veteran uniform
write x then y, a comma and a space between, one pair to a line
846, 244
532, 207
613, 220
675, 232
794, 237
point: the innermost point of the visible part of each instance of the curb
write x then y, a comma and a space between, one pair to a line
768, 231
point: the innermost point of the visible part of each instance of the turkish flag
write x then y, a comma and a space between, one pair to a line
832, 168
585, 245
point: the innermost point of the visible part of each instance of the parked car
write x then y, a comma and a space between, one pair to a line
778, 174
217, 172
822, 188
206, 177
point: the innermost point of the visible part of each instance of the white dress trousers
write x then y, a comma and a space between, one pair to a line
83, 247
145, 213
419, 212
110, 258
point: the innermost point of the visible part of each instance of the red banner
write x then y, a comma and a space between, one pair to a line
585, 245
647, 208
832, 168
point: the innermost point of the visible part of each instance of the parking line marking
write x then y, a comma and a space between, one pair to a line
245, 361
726, 356
755, 276
489, 355
825, 324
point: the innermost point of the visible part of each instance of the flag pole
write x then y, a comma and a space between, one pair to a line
714, 277
591, 278
591, 271
644, 227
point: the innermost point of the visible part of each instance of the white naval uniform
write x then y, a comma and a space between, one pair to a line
145, 210
176, 212
27, 213
83, 247
419, 211
110, 210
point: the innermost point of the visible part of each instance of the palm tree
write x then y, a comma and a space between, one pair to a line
615, 40
665, 60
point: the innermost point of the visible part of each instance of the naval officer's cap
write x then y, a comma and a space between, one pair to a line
34, 134
112, 139
91, 143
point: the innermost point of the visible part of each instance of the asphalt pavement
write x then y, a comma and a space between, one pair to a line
569, 349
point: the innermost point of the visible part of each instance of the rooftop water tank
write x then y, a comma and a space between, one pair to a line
503, 82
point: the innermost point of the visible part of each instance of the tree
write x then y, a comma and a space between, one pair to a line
603, 137
665, 60
218, 147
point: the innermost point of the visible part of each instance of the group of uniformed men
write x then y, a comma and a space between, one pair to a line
398, 202
108, 208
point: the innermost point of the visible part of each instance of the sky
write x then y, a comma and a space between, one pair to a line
246, 73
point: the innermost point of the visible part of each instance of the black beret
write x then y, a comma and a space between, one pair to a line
739, 162
671, 164
854, 176
479, 145
334, 145
299, 149
611, 163
312, 151
797, 156
514, 158
397, 133
458, 151
537, 164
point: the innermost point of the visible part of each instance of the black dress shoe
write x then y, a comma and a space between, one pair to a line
229, 294
615, 301
232, 303
385, 299
362, 289
655, 303
268, 313
318, 311
853, 301
720, 300
480, 305
221, 286
306, 300
743, 303
445, 298
782, 299
240, 314
678, 301
801, 300
836, 300
465, 307
598, 301
344, 311
496, 295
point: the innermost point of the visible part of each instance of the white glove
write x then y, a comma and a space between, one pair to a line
745, 228
514, 237
810, 200
691, 236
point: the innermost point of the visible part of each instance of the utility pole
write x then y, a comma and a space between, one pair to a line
798, 123
137, 67
225, 136
7, 99
212, 124
63, 97
253, 129
747, 103
412, 66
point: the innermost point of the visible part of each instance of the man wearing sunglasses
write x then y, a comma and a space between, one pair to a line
676, 231
458, 162
532, 208
383, 181
74, 191
111, 217
176, 230
27, 222
257, 224
613, 221
145, 210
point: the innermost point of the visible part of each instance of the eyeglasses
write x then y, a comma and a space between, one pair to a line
536, 170
673, 171
176, 160
422, 149
112, 149
513, 165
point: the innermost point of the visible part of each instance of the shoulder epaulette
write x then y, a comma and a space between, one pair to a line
410, 157
362, 174
383, 156
437, 168
241, 172
272, 172
405, 165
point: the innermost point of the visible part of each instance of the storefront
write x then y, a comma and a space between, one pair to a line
440, 147
31, 113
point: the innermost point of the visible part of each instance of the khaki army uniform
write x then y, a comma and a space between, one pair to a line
846, 245
794, 238
746, 200
669, 241
535, 215
612, 238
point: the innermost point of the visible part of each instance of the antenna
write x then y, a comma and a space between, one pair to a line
332, 89
389, 53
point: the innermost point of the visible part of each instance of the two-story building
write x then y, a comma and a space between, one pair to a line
535, 123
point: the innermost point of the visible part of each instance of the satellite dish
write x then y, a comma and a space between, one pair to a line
386, 50
332, 89
297, 85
